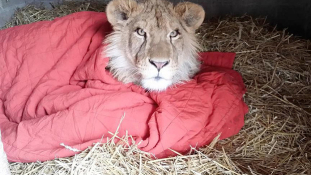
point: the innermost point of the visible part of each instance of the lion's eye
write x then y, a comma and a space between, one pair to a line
174, 34
140, 32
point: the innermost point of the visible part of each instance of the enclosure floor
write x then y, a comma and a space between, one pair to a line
276, 138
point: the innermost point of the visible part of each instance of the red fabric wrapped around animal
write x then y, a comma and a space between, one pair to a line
54, 89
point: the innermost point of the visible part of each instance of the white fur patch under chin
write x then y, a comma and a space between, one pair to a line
156, 85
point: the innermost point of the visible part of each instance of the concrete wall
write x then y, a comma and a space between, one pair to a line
7, 8
292, 14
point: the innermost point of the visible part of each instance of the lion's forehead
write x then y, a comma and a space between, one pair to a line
150, 5
158, 21
156, 15
158, 26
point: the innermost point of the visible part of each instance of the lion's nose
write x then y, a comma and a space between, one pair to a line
159, 64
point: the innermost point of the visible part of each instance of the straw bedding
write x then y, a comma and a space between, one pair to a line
276, 138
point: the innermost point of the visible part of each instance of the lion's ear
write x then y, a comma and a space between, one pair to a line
192, 14
118, 11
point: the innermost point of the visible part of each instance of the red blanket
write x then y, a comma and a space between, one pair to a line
54, 89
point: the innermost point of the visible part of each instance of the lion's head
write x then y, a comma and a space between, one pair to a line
153, 43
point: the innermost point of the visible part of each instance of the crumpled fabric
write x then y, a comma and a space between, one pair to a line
54, 90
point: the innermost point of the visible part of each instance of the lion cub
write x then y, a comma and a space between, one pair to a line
153, 43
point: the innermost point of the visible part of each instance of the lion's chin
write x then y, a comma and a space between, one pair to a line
156, 84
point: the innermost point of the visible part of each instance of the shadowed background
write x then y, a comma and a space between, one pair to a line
292, 14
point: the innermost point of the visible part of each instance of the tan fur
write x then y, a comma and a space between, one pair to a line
132, 55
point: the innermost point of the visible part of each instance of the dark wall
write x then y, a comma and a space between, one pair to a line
292, 14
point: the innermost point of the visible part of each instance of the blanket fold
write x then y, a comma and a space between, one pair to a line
55, 90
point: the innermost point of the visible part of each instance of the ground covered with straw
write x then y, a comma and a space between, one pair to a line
276, 138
